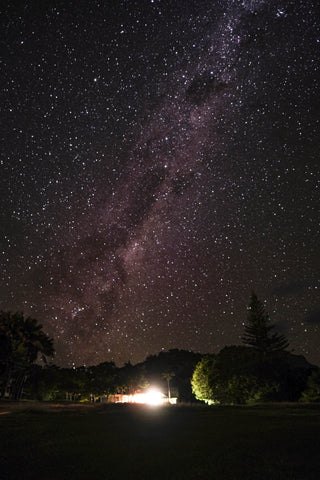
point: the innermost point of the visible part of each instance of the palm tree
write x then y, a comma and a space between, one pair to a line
168, 376
23, 340
35, 341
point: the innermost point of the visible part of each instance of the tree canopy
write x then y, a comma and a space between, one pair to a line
230, 377
202, 382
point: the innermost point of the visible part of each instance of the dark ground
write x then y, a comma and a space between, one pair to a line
75, 442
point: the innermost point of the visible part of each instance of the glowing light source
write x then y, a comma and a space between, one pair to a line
151, 397
154, 397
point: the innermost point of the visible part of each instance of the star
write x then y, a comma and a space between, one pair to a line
160, 162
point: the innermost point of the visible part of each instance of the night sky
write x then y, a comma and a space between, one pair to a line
160, 160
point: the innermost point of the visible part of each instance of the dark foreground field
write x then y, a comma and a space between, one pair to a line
172, 443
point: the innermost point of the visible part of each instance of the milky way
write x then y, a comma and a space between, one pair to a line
161, 160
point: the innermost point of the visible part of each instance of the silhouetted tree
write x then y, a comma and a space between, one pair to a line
21, 341
168, 376
101, 379
312, 392
44, 383
258, 330
131, 378
180, 362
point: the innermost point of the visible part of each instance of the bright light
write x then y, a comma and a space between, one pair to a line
151, 397
154, 397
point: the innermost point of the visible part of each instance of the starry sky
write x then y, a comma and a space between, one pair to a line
160, 160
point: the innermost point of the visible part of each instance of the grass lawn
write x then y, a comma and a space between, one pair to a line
168, 443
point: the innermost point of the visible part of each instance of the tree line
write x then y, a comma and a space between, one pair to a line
23, 343
259, 370
262, 369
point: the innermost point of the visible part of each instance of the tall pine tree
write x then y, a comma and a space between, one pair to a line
258, 329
